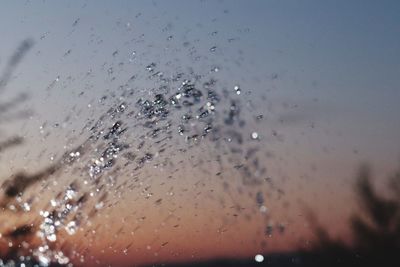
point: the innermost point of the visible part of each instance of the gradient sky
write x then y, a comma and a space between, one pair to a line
329, 72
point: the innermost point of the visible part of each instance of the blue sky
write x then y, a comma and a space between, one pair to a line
329, 72
337, 62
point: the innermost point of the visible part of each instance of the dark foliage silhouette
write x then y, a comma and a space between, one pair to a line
376, 235
376, 231
9, 111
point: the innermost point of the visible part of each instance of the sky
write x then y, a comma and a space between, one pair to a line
324, 75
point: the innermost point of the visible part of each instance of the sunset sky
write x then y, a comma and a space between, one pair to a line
325, 75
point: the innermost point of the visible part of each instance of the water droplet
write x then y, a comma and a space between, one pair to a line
71, 228
259, 258
263, 209
215, 69
44, 260
237, 89
150, 67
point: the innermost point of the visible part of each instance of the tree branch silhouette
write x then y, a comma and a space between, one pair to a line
376, 231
